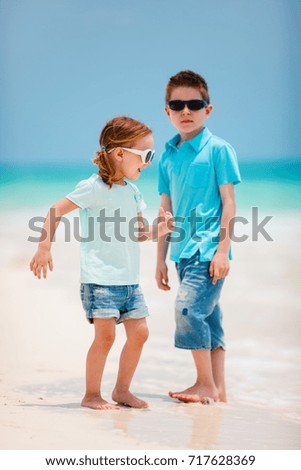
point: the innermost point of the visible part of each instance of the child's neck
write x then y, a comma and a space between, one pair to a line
189, 135
120, 176
121, 182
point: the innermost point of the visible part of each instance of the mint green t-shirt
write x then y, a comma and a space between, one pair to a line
109, 252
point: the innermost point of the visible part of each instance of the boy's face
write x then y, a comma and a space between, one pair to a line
189, 123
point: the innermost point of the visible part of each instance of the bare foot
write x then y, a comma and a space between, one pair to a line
197, 394
95, 402
222, 396
126, 398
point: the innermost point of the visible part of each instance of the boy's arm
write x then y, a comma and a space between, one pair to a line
42, 258
220, 266
162, 248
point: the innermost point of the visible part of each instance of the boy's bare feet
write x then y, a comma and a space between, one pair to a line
95, 402
197, 394
222, 396
128, 399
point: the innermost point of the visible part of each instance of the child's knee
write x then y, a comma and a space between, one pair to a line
144, 334
140, 336
105, 341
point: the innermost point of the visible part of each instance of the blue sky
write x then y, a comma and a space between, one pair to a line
67, 66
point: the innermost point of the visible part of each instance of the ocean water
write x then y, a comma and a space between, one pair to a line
269, 185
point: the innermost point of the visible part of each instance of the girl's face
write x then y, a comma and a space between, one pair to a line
189, 123
128, 164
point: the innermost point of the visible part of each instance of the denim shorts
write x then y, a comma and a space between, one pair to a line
197, 311
120, 302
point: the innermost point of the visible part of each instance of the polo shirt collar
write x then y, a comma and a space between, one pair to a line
173, 142
197, 143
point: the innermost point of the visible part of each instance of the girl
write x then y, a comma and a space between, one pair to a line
112, 223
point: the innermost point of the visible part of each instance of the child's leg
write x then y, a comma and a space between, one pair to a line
137, 334
218, 351
196, 301
96, 359
204, 387
218, 369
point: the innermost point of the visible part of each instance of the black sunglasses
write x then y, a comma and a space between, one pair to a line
192, 105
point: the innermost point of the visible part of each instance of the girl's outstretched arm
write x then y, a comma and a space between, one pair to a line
42, 259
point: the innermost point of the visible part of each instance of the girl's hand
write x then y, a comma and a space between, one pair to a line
41, 260
166, 224
162, 276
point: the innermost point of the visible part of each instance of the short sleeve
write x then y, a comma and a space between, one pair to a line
82, 195
163, 181
140, 203
226, 166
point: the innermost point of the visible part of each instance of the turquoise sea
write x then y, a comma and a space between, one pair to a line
269, 185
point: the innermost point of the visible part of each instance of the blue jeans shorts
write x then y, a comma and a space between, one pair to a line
120, 302
198, 314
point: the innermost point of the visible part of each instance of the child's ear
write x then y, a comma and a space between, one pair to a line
209, 110
119, 154
167, 110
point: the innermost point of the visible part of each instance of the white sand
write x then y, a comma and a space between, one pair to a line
45, 337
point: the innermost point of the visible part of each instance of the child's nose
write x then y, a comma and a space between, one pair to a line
186, 109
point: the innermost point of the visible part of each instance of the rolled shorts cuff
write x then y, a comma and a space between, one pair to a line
101, 313
200, 348
112, 313
133, 315
192, 348
218, 345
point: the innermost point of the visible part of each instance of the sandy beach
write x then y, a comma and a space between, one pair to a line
45, 337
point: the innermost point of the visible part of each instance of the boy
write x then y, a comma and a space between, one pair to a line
197, 174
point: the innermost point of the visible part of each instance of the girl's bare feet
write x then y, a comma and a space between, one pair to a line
95, 402
128, 399
197, 394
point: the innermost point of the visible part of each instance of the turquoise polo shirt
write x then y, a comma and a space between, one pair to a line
191, 175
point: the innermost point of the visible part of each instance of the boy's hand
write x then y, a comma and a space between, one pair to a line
166, 222
41, 260
162, 276
219, 267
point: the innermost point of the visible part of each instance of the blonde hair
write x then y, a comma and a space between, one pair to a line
121, 131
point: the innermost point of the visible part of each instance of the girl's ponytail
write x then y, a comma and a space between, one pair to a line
105, 166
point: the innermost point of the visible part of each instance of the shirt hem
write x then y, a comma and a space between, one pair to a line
102, 282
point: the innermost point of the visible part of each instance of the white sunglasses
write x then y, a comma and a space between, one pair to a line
146, 155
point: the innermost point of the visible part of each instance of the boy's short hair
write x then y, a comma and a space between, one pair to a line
189, 79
